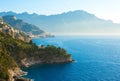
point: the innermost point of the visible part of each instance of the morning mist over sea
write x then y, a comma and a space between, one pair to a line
60, 40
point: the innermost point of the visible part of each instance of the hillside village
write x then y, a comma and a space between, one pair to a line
30, 29
17, 50
15, 33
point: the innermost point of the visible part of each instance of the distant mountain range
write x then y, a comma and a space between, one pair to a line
70, 22
21, 25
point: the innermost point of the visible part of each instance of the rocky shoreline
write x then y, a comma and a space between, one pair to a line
22, 79
29, 62
16, 74
16, 53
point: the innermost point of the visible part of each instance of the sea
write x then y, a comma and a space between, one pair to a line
97, 58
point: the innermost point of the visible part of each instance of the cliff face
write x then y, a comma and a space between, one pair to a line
15, 53
14, 73
32, 61
49, 55
15, 33
30, 29
8, 66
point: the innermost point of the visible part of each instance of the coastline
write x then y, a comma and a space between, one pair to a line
19, 54
31, 63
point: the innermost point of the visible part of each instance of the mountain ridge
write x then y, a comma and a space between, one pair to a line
78, 21
19, 24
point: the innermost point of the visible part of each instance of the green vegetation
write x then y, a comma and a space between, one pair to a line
12, 51
6, 61
18, 50
21, 49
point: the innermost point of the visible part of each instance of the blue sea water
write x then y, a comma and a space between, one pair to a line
96, 59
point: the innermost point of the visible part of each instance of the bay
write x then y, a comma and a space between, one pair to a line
96, 59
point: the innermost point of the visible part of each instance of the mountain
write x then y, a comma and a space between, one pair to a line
15, 33
16, 53
21, 25
78, 21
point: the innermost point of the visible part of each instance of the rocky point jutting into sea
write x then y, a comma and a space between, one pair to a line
17, 50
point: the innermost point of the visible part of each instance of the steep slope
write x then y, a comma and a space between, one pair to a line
21, 25
70, 22
8, 66
16, 53
15, 33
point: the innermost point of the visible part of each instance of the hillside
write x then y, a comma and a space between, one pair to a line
16, 53
15, 33
21, 25
78, 21
8, 66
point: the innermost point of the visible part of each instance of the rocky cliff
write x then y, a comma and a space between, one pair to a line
15, 53
17, 50
15, 33
29, 29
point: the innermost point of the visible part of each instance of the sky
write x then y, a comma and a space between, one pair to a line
106, 9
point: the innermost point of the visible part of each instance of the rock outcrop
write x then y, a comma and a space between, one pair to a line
33, 61
16, 53
15, 33
15, 73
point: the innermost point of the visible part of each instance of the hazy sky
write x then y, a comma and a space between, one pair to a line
107, 9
